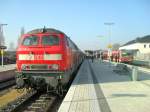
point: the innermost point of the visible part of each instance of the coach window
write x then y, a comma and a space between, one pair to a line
72, 45
144, 45
50, 40
76, 47
30, 40
69, 42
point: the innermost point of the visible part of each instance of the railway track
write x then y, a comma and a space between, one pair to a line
7, 83
12, 106
33, 101
42, 103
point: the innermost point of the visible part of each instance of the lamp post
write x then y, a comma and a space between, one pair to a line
100, 52
1, 34
2, 47
109, 24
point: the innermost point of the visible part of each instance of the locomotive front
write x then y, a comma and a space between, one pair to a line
41, 59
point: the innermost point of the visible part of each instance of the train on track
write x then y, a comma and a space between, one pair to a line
124, 56
46, 58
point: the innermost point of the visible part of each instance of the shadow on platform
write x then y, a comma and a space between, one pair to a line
128, 95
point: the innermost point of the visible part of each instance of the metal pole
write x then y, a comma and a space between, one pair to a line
2, 50
109, 24
2, 38
2, 57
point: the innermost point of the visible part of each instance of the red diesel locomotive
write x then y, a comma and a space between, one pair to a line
46, 58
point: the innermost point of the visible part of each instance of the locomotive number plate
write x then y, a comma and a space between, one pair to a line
38, 57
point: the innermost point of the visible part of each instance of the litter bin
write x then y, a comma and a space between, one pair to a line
134, 73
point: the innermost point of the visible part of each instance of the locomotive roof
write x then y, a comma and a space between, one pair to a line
44, 30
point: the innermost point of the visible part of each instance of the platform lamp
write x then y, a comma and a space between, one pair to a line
2, 47
100, 36
109, 24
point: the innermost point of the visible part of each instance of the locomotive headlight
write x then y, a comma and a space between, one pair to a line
25, 57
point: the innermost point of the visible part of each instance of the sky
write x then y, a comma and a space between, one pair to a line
82, 20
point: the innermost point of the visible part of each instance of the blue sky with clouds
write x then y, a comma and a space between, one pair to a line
82, 20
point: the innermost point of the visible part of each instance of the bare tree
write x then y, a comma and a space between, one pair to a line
115, 46
11, 46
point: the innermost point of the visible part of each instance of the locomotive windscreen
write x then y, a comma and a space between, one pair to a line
30, 40
50, 40
46, 40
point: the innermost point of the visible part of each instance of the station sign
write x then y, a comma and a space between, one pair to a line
109, 46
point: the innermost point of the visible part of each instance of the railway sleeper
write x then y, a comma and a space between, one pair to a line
40, 105
29, 111
35, 109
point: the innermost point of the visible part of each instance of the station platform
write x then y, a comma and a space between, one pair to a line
97, 88
7, 67
7, 72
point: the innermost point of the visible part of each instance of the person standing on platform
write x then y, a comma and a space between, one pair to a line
116, 60
92, 58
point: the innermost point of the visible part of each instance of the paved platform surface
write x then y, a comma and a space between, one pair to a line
7, 72
97, 88
7, 67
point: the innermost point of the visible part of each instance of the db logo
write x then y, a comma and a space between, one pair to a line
38, 57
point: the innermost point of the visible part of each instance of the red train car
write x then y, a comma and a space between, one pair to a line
115, 54
104, 55
126, 56
46, 57
118, 56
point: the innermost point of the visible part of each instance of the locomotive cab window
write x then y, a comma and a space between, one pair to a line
50, 40
30, 40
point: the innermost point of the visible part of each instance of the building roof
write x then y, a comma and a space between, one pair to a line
145, 39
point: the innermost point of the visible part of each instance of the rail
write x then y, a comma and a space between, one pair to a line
7, 83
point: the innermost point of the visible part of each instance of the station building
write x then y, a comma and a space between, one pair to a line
140, 47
